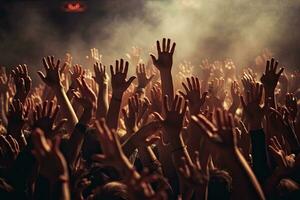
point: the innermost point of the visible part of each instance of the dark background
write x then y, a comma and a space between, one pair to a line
31, 29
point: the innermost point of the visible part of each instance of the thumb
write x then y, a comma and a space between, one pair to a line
154, 60
130, 80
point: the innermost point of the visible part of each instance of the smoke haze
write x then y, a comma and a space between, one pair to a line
214, 29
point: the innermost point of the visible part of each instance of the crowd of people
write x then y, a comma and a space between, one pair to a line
225, 132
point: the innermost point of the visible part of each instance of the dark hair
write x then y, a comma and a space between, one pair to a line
219, 185
112, 191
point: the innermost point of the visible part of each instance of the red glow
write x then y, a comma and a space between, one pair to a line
74, 7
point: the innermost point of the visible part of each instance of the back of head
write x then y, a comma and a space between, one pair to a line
112, 191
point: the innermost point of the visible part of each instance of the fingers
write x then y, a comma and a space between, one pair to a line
41, 75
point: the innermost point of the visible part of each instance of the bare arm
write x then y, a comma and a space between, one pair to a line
52, 79
119, 85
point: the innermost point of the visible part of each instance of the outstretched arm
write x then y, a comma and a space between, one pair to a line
119, 85
101, 79
52, 79
163, 63
223, 137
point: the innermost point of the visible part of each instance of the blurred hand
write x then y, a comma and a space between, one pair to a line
44, 117
52, 78
86, 97
156, 99
164, 61
52, 162
9, 150
5, 82
100, 77
113, 154
248, 80
175, 114
278, 152
140, 188
17, 117
192, 173
118, 78
270, 78
205, 70
143, 79
77, 72
130, 118
235, 93
251, 106
222, 133
22, 82
291, 105
217, 88
193, 95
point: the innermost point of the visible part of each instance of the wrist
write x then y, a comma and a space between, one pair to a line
165, 72
117, 96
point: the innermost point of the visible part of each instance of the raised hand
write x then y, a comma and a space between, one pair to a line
175, 114
156, 99
17, 117
192, 173
164, 61
235, 93
140, 188
9, 150
113, 154
143, 79
52, 78
229, 69
193, 95
270, 78
86, 97
235, 96
291, 105
118, 78
130, 118
220, 133
251, 106
52, 162
76, 72
22, 82
278, 152
100, 77
217, 88
248, 80
4, 82
44, 117
135, 55
224, 136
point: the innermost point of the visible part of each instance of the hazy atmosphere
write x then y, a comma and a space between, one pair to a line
214, 29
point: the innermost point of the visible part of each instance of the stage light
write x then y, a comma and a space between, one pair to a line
74, 6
